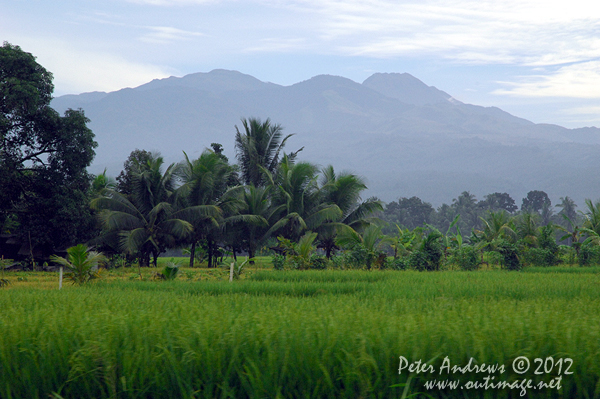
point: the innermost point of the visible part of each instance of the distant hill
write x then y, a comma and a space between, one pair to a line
405, 137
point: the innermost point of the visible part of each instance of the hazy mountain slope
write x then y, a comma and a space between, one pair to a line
405, 137
406, 88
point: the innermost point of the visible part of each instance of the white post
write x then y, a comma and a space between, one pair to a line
60, 279
231, 272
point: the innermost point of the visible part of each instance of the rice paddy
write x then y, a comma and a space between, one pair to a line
292, 334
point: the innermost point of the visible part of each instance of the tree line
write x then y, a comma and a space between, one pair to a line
268, 199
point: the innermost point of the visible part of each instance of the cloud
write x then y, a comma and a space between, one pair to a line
278, 45
172, 2
165, 34
589, 110
528, 32
581, 80
76, 70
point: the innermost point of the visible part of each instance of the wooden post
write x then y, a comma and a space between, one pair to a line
60, 278
231, 272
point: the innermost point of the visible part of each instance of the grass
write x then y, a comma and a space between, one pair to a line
311, 334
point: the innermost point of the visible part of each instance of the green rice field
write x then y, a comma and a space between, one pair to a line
303, 334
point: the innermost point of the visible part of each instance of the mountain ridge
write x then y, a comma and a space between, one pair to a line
405, 137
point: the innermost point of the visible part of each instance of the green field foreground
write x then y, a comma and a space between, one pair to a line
311, 334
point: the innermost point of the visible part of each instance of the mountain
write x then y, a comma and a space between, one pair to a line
405, 137
406, 88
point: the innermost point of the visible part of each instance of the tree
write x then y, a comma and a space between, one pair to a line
466, 206
534, 202
591, 225
573, 233
134, 164
102, 182
205, 184
498, 201
151, 221
567, 206
497, 225
258, 148
260, 214
526, 228
296, 191
409, 212
366, 247
428, 254
344, 191
43, 157
81, 263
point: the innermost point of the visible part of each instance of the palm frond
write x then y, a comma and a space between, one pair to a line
113, 220
133, 240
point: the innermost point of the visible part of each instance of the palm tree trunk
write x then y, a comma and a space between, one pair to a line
144, 259
192, 253
210, 251
155, 258
251, 247
251, 254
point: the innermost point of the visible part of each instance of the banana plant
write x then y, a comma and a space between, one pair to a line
402, 243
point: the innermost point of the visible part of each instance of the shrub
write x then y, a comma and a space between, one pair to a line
494, 258
466, 257
540, 257
589, 255
510, 256
339, 261
318, 262
418, 260
357, 258
429, 255
396, 264
171, 270
278, 262
119, 260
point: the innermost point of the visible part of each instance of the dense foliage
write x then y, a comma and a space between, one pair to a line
268, 201
43, 159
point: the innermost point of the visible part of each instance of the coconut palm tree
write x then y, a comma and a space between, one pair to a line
259, 147
204, 186
466, 206
102, 182
497, 225
81, 263
572, 234
592, 216
151, 221
344, 191
371, 241
591, 225
295, 189
255, 217
526, 227
568, 206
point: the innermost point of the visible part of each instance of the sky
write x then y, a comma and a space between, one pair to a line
537, 59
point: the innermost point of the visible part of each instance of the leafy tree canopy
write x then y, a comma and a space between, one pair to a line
409, 212
133, 165
43, 156
259, 147
535, 201
498, 201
